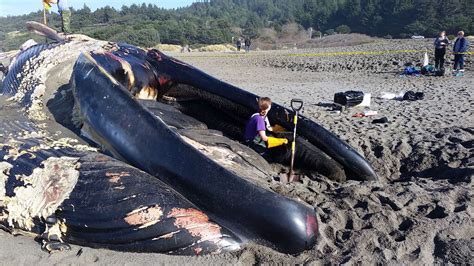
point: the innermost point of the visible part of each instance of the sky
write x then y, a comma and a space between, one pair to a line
21, 7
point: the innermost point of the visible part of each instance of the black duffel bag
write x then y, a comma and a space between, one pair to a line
349, 98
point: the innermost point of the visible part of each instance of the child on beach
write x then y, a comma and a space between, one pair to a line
255, 135
255, 131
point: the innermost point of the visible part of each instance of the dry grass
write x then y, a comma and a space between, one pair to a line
168, 47
340, 40
207, 48
300, 40
218, 48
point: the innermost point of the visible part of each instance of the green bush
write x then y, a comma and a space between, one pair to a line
330, 32
317, 34
343, 29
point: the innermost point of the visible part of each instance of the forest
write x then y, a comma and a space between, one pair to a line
217, 21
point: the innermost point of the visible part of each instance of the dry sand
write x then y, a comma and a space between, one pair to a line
422, 209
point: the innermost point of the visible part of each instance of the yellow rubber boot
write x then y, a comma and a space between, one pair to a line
275, 142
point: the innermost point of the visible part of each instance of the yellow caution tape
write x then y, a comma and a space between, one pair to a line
322, 54
355, 53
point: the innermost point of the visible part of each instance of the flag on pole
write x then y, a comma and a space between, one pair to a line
46, 5
46, 8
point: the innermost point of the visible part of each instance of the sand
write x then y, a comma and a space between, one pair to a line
420, 211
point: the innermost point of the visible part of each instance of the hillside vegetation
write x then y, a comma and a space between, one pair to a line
217, 21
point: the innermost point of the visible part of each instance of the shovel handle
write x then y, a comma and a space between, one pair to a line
296, 104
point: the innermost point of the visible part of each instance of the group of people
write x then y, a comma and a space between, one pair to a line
64, 12
247, 42
459, 49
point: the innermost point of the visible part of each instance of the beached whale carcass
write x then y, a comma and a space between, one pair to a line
191, 151
56, 186
111, 204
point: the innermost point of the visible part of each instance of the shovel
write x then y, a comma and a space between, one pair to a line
296, 105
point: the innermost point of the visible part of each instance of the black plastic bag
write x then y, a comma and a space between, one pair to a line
382, 120
413, 96
349, 98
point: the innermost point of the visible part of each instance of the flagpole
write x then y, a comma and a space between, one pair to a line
45, 22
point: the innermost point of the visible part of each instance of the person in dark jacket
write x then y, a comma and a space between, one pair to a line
247, 44
238, 44
459, 49
440, 43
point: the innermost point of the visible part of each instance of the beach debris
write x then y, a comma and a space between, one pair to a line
411, 71
365, 113
382, 120
426, 60
366, 101
428, 70
458, 73
370, 113
392, 96
413, 96
403, 96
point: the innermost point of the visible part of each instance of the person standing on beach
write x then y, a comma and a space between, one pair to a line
247, 44
440, 43
459, 49
65, 13
238, 44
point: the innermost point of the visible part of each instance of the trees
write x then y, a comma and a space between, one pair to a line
212, 21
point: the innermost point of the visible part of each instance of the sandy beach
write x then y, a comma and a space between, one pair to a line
421, 212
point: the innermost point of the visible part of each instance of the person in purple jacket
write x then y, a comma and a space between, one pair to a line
255, 135
255, 131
